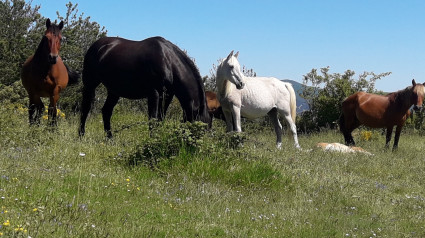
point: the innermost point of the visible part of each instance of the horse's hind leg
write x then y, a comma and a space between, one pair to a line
277, 127
88, 96
346, 127
107, 109
292, 127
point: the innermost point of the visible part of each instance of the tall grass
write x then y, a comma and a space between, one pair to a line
173, 181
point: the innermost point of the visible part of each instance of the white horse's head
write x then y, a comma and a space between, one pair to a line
230, 69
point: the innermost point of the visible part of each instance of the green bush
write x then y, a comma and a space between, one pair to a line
167, 140
14, 93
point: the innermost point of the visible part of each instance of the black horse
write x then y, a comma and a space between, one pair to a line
154, 68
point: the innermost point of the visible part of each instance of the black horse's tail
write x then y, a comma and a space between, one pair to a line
73, 76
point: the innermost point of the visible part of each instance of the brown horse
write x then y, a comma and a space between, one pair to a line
214, 108
45, 75
378, 111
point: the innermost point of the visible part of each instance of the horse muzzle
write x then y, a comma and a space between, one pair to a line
240, 85
53, 59
417, 108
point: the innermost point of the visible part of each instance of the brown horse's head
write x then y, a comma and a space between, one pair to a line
54, 38
418, 95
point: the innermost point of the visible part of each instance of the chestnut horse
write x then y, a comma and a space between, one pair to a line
154, 68
214, 108
45, 75
379, 111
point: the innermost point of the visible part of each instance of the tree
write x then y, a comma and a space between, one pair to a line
324, 93
20, 29
79, 33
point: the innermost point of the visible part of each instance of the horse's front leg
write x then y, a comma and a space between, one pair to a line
229, 120
388, 137
236, 113
397, 136
35, 110
164, 103
52, 111
153, 104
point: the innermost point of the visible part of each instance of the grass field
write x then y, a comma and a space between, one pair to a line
171, 183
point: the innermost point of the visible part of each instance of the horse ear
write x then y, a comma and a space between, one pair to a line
48, 23
237, 54
230, 55
413, 82
61, 25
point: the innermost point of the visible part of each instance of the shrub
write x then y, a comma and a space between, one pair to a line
167, 140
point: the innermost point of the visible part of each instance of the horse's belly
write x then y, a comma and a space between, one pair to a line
252, 112
373, 121
128, 92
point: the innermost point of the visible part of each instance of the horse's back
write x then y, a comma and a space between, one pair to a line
128, 68
369, 109
261, 94
138, 69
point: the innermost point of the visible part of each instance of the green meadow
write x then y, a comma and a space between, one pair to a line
179, 181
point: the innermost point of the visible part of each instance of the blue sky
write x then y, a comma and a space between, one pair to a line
284, 39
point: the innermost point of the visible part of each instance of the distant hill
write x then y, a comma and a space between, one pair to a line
301, 102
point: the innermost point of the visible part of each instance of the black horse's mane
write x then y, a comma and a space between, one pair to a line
185, 57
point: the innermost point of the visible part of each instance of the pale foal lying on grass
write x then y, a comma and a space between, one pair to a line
337, 147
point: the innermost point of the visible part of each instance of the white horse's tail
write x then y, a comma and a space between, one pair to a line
293, 102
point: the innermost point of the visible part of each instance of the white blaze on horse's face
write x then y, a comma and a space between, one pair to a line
233, 70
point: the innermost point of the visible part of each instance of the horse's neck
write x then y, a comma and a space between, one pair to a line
224, 86
41, 55
402, 99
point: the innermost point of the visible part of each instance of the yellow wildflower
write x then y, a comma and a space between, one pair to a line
7, 223
366, 135
35, 209
128, 180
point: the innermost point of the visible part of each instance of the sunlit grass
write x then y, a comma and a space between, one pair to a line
52, 183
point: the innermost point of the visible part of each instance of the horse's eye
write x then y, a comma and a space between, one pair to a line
232, 67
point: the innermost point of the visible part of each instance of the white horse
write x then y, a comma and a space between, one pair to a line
254, 97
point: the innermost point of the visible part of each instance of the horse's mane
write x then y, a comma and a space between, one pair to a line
38, 51
193, 68
401, 95
185, 58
